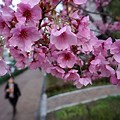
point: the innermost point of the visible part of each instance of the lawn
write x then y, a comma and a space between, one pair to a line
104, 109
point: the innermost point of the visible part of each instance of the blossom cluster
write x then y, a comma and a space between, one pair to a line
101, 2
61, 43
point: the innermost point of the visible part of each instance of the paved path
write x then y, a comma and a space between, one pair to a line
80, 96
30, 83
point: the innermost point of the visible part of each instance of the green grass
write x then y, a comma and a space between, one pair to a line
115, 35
104, 109
56, 86
6, 77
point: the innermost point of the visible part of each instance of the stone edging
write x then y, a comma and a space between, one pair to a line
105, 92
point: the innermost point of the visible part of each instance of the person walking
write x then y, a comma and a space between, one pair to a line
12, 93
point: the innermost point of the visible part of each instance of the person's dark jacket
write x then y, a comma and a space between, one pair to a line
16, 93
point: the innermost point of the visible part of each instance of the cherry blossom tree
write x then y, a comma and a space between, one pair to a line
60, 42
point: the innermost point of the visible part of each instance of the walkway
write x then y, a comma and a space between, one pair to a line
80, 96
30, 83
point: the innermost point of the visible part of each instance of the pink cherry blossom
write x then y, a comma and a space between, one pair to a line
102, 2
53, 54
118, 72
115, 26
63, 38
34, 64
3, 67
99, 48
4, 29
54, 2
115, 50
26, 13
112, 71
102, 47
83, 29
99, 60
87, 44
114, 80
7, 14
78, 84
79, 2
100, 66
66, 59
105, 71
38, 58
75, 15
7, 2
20, 57
56, 71
71, 75
83, 81
102, 26
23, 37
32, 3
60, 42
108, 43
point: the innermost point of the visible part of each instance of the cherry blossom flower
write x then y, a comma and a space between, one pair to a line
83, 29
102, 47
114, 80
3, 67
83, 81
38, 58
103, 27
75, 15
79, 2
7, 2
71, 75
63, 38
118, 72
99, 60
23, 37
56, 71
115, 50
78, 84
115, 26
7, 14
59, 41
54, 2
102, 2
20, 57
112, 71
100, 67
4, 29
86, 38
32, 3
26, 13
87, 44
66, 59
53, 54
108, 43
